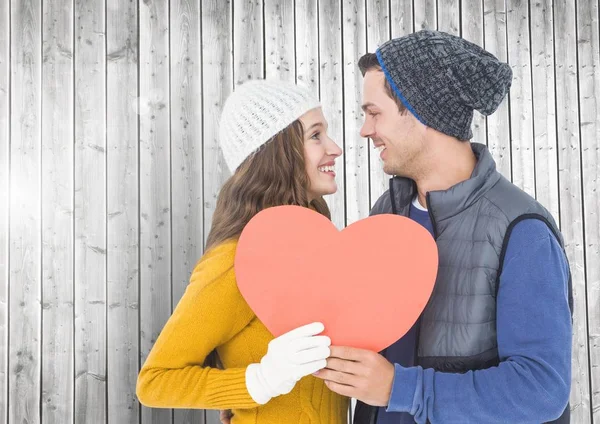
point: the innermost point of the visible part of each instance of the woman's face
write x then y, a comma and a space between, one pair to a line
320, 153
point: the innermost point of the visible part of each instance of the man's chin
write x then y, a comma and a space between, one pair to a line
394, 171
389, 170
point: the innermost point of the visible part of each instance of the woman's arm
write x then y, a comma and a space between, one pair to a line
210, 313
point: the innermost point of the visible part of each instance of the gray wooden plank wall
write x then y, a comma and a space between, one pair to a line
110, 167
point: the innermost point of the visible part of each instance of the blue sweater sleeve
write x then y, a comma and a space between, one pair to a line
534, 329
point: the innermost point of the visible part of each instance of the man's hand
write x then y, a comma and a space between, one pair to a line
225, 416
358, 373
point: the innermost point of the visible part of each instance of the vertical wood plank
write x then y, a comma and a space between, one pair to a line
331, 72
217, 84
425, 14
280, 60
123, 268
212, 416
217, 68
544, 111
378, 32
401, 18
588, 43
186, 149
472, 30
4, 208
25, 248
57, 212
356, 152
248, 52
90, 212
498, 125
448, 16
307, 45
155, 182
521, 119
186, 153
571, 217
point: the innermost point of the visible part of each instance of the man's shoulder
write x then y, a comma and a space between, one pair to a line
515, 204
382, 205
511, 198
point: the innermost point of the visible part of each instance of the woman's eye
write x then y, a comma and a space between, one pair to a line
316, 136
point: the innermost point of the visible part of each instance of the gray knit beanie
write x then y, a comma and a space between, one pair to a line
442, 78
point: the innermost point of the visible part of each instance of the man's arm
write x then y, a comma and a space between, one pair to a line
532, 382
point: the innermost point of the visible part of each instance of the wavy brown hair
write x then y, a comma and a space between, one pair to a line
273, 176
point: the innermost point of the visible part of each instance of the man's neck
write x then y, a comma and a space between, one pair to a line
449, 166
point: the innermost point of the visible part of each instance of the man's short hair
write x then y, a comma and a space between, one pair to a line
369, 62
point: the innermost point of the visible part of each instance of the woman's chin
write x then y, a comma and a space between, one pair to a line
323, 191
329, 190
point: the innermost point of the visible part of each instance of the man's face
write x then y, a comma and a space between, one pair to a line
398, 137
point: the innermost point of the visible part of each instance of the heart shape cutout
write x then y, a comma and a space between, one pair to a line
367, 284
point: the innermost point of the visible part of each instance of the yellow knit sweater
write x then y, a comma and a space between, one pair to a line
213, 314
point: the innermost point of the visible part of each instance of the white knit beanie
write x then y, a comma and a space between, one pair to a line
255, 112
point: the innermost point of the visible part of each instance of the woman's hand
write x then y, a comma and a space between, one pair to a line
225, 416
290, 357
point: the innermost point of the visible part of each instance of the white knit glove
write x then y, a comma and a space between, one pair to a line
290, 357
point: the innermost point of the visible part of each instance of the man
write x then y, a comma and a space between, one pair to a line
494, 342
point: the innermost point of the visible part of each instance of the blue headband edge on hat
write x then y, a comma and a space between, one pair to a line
395, 88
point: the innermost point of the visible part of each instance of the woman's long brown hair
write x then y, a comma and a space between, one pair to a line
273, 176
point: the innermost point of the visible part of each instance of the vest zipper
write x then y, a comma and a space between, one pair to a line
428, 203
435, 235
393, 197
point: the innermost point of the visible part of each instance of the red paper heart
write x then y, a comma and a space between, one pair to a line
367, 284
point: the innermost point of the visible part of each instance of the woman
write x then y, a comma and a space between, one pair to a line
274, 140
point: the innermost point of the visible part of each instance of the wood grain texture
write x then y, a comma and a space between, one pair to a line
498, 124
186, 155
155, 183
331, 70
521, 102
280, 52
544, 106
248, 51
472, 30
123, 267
425, 14
356, 152
90, 212
25, 250
307, 45
5, 207
57, 213
379, 20
217, 84
401, 18
571, 213
588, 43
448, 16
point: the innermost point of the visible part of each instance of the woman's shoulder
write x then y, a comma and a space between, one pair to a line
223, 252
215, 268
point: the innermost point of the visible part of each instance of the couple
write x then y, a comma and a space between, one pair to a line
493, 343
